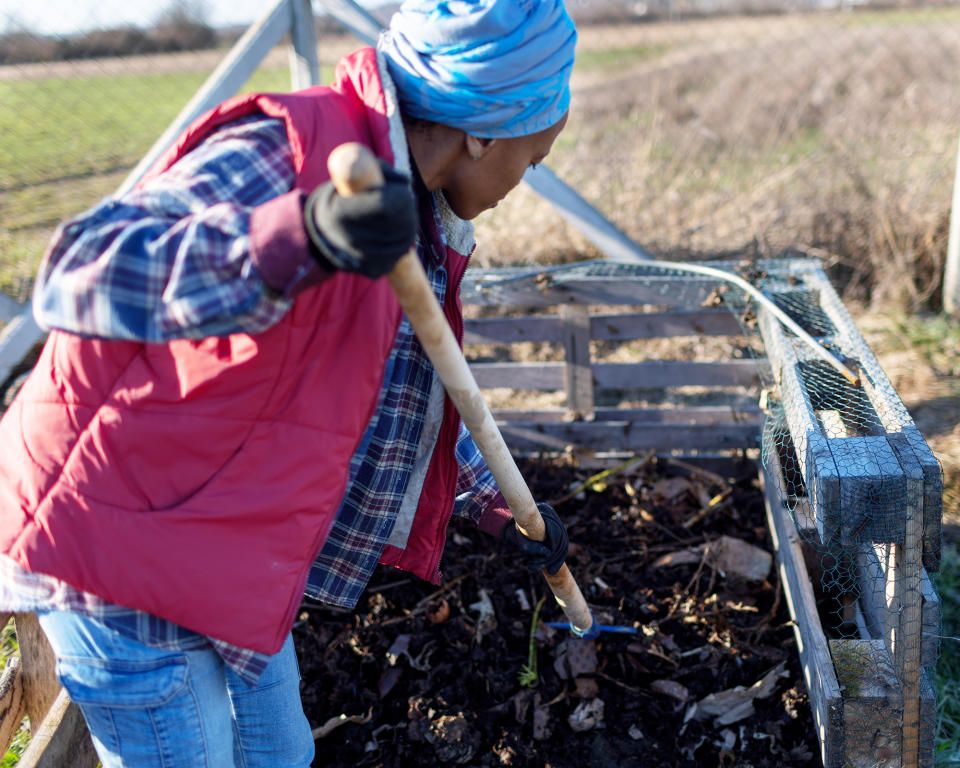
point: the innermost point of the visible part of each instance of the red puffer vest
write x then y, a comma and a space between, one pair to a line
197, 480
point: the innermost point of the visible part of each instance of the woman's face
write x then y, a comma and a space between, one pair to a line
475, 185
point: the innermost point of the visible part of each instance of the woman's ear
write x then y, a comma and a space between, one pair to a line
476, 146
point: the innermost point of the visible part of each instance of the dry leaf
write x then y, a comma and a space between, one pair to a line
670, 488
335, 722
541, 720
680, 557
587, 715
487, 622
389, 678
671, 688
735, 704
575, 657
439, 611
397, 649
732, 555
587, 688
728, 554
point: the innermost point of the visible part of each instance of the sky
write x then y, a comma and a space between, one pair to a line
68, 16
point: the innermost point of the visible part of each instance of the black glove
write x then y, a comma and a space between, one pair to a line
549, 553
367, 232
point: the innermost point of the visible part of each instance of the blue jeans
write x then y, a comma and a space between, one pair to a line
150, 708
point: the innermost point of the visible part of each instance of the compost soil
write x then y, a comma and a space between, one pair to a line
450, 674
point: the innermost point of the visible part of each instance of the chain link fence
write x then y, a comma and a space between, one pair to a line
86, 89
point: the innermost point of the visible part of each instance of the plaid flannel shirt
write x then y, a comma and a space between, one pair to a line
172, 260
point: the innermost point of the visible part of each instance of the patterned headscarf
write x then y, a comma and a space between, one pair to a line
493, 68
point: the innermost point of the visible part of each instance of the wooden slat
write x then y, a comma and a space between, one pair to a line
519, 375
506, 330
604, 327
889, 409
39, 667
872, 579
304, 63
872, 703
61, 740
670, 373
701, 416
932, 492
652, 374
10, 308
12, 703
907, 587
578, 375
873, 708
655, 325
818, 673
627, 436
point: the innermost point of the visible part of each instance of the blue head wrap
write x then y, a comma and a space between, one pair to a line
493, 68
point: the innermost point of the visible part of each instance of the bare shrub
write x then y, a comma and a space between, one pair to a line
816, 134
18, 47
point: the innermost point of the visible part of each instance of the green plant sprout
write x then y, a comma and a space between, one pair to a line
528, 675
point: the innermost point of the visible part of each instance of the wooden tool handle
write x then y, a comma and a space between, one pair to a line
354, 168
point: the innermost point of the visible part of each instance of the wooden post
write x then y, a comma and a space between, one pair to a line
579, 372
905, 603
12, 704
59, 736
39, 668
951, 270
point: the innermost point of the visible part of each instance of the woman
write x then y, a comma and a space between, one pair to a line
231, 408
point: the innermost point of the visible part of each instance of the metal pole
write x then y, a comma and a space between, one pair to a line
304, 63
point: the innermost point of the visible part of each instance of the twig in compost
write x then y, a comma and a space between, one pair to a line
696, 576
705, 473
624, 468
763, 626
717, 502
614, 680
425, 602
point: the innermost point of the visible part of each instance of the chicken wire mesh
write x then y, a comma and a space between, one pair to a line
864, 493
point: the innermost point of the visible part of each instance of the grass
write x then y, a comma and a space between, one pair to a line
102, 123
947, 675
592, 59
51, 169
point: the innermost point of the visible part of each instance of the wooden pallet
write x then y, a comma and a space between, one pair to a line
870, 489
